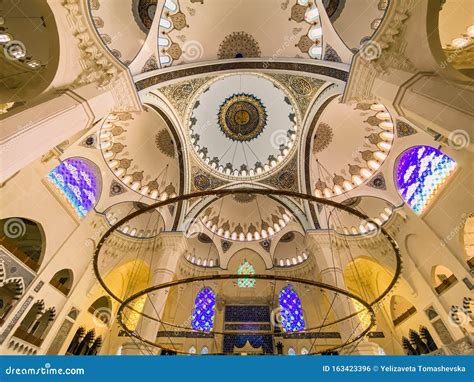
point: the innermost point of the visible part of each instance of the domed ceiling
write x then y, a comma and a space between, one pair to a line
245, 217
145, 225
362, 134
140, 150
242, 126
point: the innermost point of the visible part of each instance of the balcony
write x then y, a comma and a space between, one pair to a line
410, 312
446, 284
60, 287
22, 334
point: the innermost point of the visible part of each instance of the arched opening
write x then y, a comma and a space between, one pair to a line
467, 240
10, 293
25, 239
442, 278
456, 32
30, 42
246, 269
85, 343
79, 181
102, 309
291, 310
63, 280
291, 246
204, 310
400, 309
35, 325
420, 173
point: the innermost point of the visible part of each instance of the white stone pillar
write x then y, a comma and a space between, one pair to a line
330, 272
163, 268
27, 135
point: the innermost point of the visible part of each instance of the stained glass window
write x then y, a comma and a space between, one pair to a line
292, 319
76, 180
204, 310
421, 171
246, 269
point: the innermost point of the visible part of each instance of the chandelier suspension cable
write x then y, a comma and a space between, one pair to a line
153, 257
256, 197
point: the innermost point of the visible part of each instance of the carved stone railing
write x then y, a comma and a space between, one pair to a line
22, 334
446, 284
463, 346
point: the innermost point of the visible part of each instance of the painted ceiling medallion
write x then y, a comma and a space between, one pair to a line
239, 45
242, 117
144, 12
242, 125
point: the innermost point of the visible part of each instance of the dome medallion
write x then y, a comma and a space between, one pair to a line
242, 126
242, 117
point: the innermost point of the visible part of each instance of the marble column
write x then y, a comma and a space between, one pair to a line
163, 269
330, 272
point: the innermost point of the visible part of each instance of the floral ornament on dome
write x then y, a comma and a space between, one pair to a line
421, 172
76, 180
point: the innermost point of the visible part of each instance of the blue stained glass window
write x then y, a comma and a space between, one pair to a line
421, 171
292, 319
204, 309
76, 180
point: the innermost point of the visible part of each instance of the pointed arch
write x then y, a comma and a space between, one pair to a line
291, 310
102, 309
420, 173
442, 278
204, 310
79, 180
400, 309
25, 239
63, 280
246, 269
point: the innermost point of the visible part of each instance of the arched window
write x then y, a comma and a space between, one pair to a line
62, 281
23, 238
304, 351
443, 278
77, 180
421, 170
246, 269
11, 291
291, 351
204, 310
192, 350
400, 309
35, 325
291, 312
102, 309
204, 350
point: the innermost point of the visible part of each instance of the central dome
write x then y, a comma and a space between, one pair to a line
242, 117
242, 125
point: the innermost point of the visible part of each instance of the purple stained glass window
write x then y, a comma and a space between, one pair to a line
76, 180
292, 319
421, 171
204, 310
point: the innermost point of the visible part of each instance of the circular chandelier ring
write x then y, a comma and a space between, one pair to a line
225, 192
367, 308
